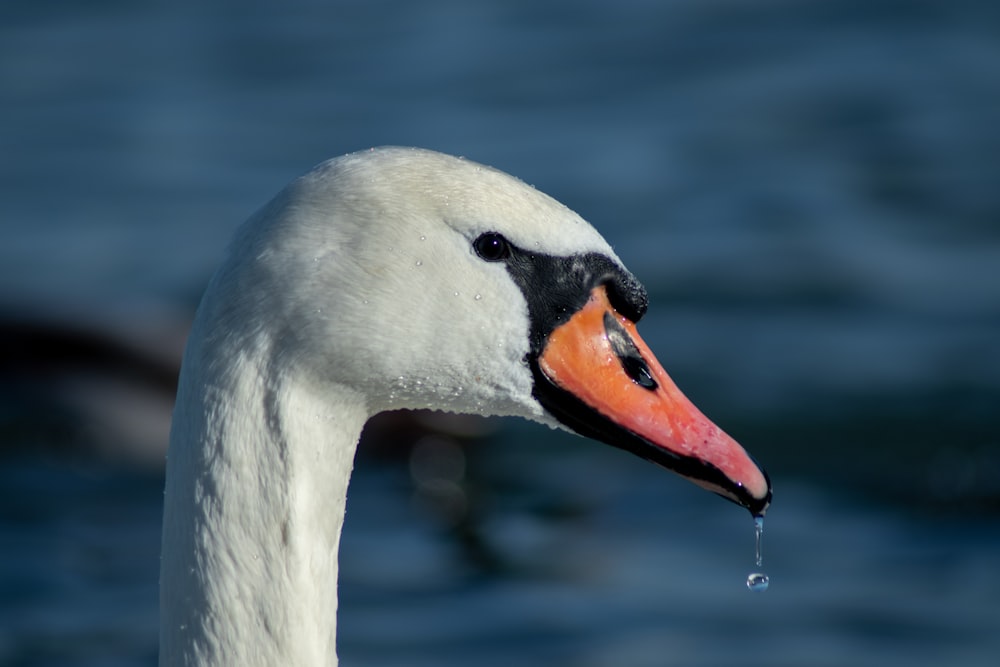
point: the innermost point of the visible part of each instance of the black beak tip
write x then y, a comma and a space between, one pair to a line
757, 506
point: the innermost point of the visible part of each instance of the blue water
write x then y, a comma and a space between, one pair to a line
808, 190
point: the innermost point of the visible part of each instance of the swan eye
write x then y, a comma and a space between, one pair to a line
492, 247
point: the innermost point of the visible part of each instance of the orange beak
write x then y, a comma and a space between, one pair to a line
598, 357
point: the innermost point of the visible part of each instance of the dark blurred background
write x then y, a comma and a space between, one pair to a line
808, 190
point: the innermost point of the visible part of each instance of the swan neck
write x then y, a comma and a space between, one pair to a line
257, 476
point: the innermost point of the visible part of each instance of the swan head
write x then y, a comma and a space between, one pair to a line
421, 280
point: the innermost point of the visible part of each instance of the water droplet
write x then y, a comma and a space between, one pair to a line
423, 238
419, 263
758, 581
758, 533
456, 293
478, 297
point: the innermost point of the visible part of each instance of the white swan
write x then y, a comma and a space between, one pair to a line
388, 279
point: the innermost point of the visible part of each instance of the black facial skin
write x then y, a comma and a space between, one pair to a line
568, 283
